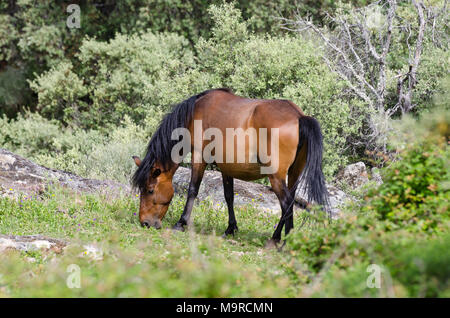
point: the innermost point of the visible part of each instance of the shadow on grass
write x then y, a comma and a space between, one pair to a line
255, 226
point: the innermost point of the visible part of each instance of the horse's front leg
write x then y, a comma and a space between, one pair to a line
229, 198
196, 179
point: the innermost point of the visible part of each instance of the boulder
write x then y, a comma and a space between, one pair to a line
354, 175
19, 175
376, 176
28, 243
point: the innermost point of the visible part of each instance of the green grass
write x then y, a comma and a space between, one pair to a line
317, 261
140, 262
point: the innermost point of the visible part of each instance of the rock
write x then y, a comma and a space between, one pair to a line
18, 175
27, 243
354, 175
211, 187
376, 176
42, 244
336, 198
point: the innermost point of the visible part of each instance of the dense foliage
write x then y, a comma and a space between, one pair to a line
130, 59
401, 225
140, 76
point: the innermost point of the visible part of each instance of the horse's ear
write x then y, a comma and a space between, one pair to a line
137, 160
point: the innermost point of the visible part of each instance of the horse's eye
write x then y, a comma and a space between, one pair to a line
150, 191
156, 173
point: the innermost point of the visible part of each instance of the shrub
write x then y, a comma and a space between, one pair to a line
416, 192
115, 79
108, 159
140, 76
30, 135
60, 93
402, 224
91, 153
283, 67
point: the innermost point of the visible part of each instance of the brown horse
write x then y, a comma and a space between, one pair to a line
298, 155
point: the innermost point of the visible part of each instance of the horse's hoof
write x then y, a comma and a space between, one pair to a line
271, 243
230, 231
178, 227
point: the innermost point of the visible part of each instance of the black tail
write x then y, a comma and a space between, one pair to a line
311, 180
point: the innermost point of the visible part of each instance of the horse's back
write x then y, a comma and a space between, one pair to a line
226, 106
223, 110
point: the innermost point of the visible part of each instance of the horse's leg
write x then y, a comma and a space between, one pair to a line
293, 174
196, 178
229, 198
289, 225
282, 192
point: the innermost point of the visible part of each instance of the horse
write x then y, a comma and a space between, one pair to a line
298, 156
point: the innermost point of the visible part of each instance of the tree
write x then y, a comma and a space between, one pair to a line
357, 50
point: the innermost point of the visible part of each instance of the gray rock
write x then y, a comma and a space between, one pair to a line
376, 176
211, 187
18, 174
354, 175
27, 243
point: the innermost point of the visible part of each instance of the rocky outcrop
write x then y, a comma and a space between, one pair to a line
354, 175
211, 187
18, 174
29, 243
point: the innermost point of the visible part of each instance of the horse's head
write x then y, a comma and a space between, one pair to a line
155, 196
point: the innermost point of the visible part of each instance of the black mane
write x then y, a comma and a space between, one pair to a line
160, 146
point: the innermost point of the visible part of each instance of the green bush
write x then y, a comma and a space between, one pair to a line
88, 153
424, 267
401, 225
140, 76
115, 78
416, 188
30, 135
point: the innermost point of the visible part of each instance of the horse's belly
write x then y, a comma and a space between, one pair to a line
242, 171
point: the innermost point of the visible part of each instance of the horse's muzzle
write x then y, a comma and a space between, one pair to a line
147, 223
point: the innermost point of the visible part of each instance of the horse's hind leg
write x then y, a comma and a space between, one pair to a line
229, 198
292, 178
293, 174
282, 192
196, 178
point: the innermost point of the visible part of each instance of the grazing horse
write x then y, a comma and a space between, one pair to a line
298, 155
